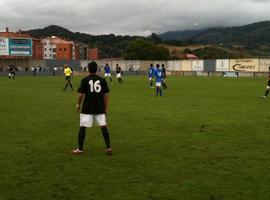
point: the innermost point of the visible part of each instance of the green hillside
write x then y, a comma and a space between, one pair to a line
251, 40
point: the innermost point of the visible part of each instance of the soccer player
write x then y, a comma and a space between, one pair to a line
158, 75
11, 74
119, 73
107, 70
93, 91
151, 74
68, 73
164, 85
267, 88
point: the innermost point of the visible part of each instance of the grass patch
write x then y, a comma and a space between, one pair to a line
206, 138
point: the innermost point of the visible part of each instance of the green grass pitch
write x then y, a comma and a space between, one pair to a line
206, 139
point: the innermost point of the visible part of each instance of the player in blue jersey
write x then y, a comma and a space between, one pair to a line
151, 74
107, 70
159, 77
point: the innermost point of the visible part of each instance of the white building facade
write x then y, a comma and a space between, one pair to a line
49, 48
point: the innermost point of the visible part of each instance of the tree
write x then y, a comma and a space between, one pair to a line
187, 51
174, 54
161, 53
155, 39
140, 49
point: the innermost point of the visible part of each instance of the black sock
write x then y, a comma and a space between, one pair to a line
66, 86
106, 136
81, 138
160, 91
266, 93
70, 86
164, 85
111, 79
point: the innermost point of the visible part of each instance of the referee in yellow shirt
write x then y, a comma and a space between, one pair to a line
68, 73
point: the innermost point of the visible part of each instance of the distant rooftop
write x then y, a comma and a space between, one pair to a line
19, 33
58, 40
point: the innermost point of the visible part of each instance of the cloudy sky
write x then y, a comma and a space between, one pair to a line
132, 17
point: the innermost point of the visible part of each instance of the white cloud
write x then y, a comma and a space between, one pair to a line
135, 17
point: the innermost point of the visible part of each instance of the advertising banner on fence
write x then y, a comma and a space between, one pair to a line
145, 64
244, 65
222, 65
186, 65
4, 47
133, 65
174, 65
264, 65
20, 47
121, 63
197, 65
209, 65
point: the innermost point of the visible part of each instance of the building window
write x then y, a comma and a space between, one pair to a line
65, 49
45, 43
45, 49
60, 49
45, 56
50, 49
54, 50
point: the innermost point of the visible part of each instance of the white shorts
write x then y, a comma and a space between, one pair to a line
158, 84
107, 75
150, 78
268, 87
88, 120
10, 74
118, 75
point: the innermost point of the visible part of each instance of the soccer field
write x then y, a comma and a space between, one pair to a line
207, 138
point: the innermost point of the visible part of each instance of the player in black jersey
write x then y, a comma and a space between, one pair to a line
267, 89
164, 85
11, 70
119, 74
93, 91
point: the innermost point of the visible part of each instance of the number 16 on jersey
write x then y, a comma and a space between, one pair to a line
95, 86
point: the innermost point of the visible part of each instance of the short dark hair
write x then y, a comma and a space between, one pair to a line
92, 67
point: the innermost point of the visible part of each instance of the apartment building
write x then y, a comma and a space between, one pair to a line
93, 54
60, 49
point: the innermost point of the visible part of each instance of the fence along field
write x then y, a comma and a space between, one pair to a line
237, 65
